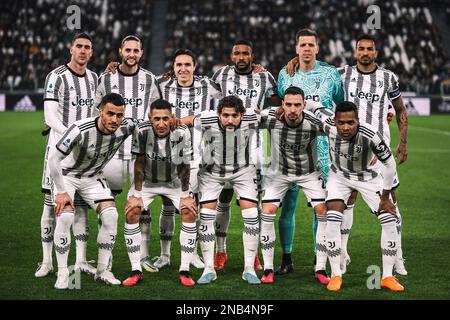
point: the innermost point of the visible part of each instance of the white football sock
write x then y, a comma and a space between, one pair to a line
250, 237
48, 222
81, 232
267, 239
321, 245
399, 232
188, 236
132, 233
333, 236
166, 228
389, 242
145, 222
62, 237
206, 236
221, 225
106, 236
346, 226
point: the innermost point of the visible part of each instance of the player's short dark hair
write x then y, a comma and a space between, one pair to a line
161, 104
346, 106
231, 102
244, 43
187, 52
294, 91
366, 36
114, 98
306, 32
130, 38
82, 35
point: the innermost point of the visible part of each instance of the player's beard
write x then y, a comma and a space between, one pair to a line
366, 61
242, 67
136, 61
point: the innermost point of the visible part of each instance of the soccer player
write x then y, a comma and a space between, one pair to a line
226, 137
139, 89
257, 89
293, 159
161, 168
321, 83
373, 89
353, 144
189, 95
68, 97
76, 165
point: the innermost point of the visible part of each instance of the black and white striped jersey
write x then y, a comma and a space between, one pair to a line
163, 154
351, 158
252, 88
293, 150
225, 152
88, 149
372, 93
139, 90
74, 93
190, 101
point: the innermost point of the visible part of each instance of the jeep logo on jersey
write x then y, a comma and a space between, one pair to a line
290, 146
343, 155
99, 154
371, 97
193, 105
134, 102
89, 102
251, 93
313, 97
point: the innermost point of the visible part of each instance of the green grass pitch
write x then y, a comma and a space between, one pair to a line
424, 200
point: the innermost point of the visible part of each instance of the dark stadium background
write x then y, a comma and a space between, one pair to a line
413, 41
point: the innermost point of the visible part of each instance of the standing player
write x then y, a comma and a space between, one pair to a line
373, 89
162, 168
76, 165
293, 159
68, 97
353, 145
321, 83
257, 90
189, 96
139, 89
226, 137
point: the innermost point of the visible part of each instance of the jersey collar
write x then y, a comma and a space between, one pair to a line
74, 73
127, 75
362, 72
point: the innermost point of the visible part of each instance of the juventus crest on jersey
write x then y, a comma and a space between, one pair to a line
225, 152
139, 90
74, 93
372, 93
163, 154
293, 149
252, 88
88, 149
351, 158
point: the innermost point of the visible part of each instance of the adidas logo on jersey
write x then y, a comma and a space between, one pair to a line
92, 146
25, 104
115, 87
353, 80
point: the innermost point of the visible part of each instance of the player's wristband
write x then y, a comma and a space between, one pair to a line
137, 194
185, 194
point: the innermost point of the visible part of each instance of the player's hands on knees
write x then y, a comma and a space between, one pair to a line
401, 153
175, 123
133, 203
189, 204
386, 205
112, 67
258, 68
63, 200
292, 66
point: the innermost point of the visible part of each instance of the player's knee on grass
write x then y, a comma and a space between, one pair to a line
226, 195
134, 216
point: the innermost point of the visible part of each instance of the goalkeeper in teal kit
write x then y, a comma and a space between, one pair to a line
321, 83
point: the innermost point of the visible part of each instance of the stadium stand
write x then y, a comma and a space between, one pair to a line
32, 41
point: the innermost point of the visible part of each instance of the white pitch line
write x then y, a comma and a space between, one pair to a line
437, 131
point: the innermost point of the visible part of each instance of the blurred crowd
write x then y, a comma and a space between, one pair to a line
34, 37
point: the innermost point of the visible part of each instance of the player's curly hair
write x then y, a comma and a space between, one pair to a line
231, 102
346, 106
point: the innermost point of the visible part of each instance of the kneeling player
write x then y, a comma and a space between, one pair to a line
161, 169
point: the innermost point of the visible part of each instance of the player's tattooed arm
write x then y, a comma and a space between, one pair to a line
139, 172
188, 121
402, 122
186, 201
184, 170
